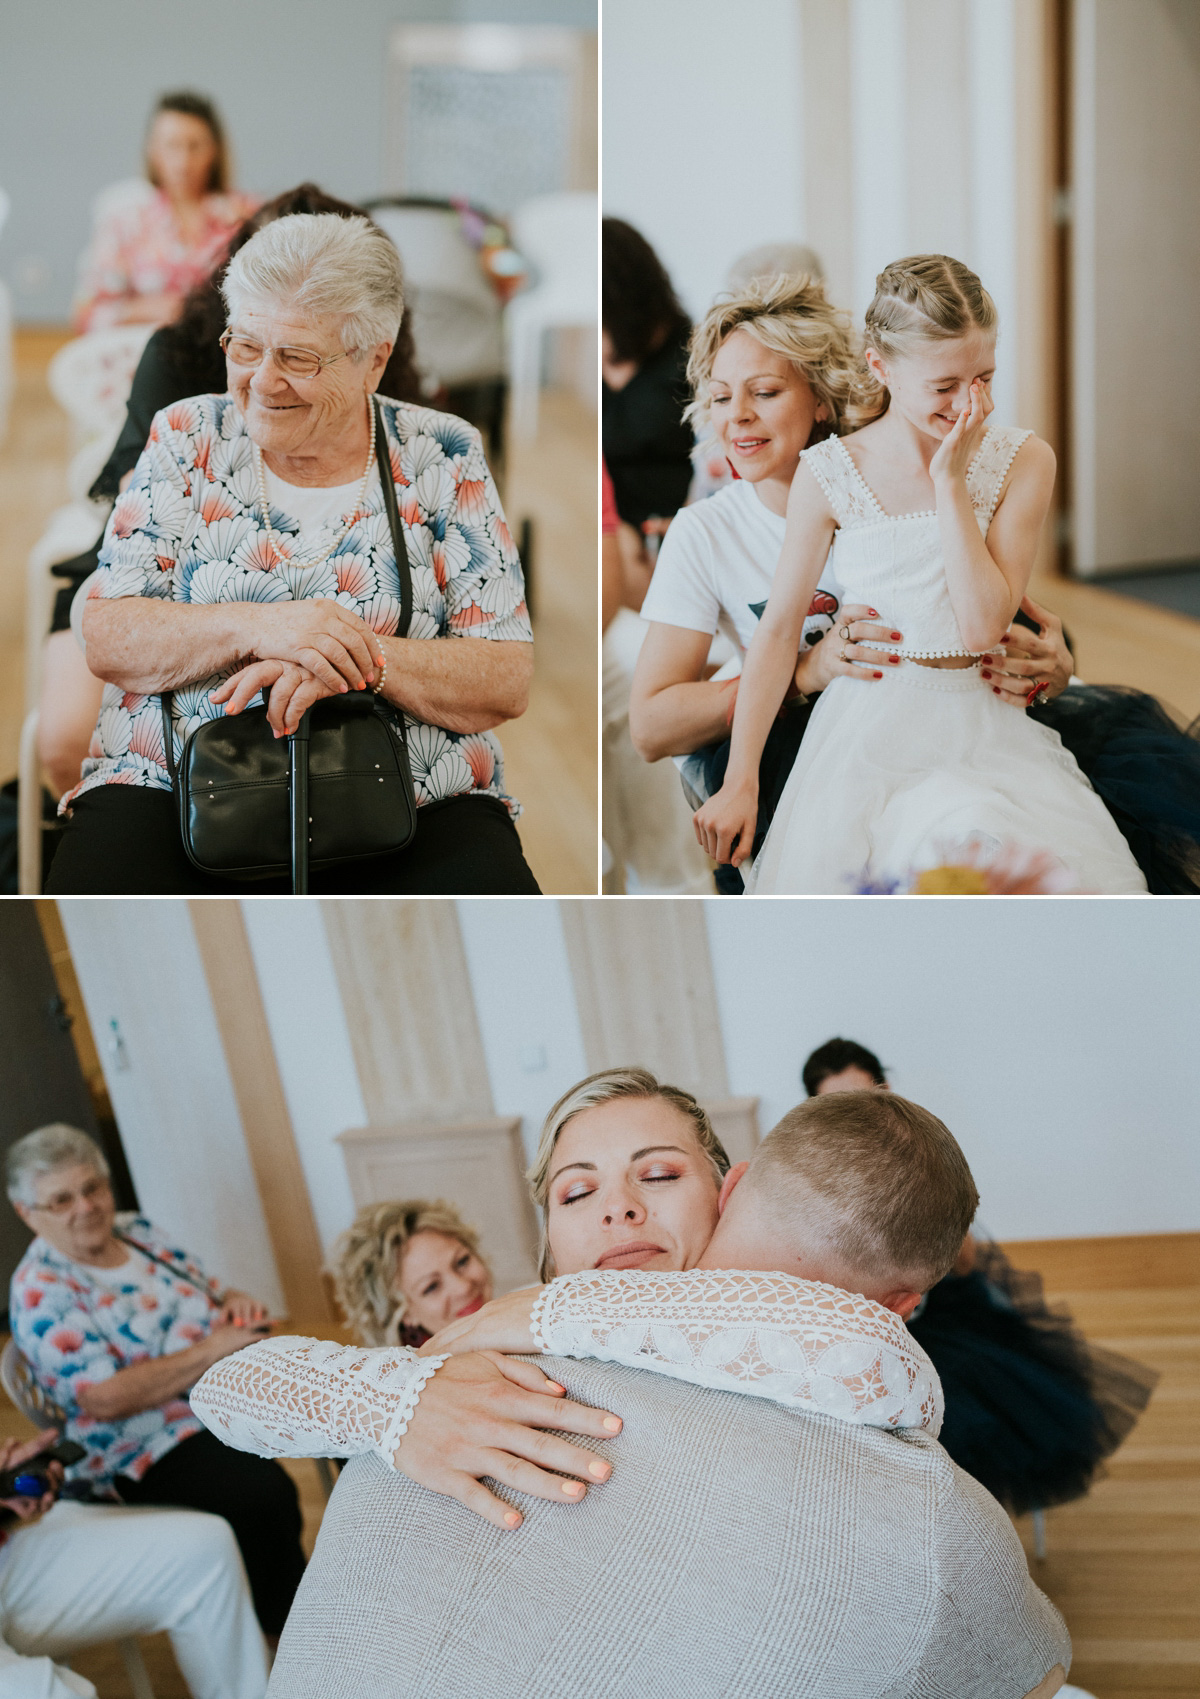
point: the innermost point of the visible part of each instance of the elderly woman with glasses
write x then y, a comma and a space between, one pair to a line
252, 554
117, 1324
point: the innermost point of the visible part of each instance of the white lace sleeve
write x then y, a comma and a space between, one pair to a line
799, 1342
295, 1397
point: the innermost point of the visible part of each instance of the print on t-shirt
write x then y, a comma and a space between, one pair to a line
822, 612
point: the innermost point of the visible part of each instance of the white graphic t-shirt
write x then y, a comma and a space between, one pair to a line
716, 564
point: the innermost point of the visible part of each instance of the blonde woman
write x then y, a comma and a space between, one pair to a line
406, 1269
938, 512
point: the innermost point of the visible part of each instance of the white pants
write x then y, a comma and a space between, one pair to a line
88, 1573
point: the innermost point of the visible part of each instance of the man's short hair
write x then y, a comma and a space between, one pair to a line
900, 1194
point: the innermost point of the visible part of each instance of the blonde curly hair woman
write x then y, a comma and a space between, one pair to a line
773, 369
405, 1269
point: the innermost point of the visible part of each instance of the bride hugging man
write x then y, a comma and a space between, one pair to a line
753, 1500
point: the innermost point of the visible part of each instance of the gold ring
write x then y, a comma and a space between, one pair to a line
844, 655
844, 634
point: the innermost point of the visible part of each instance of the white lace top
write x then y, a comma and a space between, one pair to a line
803, 1344
895, 563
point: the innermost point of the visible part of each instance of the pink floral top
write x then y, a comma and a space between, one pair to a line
190, 529
76, 1330
140, 250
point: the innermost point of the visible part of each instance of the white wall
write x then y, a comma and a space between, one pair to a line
525, 1005
701, 126
138, 965
300, 84
1057, 1039
705, 137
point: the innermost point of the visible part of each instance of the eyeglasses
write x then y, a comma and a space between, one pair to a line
61, 1202
295, 362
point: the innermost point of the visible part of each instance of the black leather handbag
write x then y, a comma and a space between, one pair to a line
339, 788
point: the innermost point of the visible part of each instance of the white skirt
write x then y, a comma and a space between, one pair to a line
892, 776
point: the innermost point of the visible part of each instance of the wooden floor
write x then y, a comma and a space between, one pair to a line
551, 753
1123, 1564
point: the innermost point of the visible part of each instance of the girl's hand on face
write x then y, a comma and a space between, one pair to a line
503, 1325
1029, 659
725, 825
961, 443
851, 655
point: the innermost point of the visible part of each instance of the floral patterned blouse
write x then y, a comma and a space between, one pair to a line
140, 250
189, 528
76, 1330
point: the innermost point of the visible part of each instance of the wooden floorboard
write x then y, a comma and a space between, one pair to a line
550, 752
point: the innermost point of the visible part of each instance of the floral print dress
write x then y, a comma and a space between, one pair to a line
190, 529
140, 250
76, 1330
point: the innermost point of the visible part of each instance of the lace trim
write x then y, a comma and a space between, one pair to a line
988, 470
803, 1344
294, 1397
854, 503
537, 1315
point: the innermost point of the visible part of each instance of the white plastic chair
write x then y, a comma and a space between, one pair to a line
71, 530
557, 235
90, 378
456, 316
21, 1385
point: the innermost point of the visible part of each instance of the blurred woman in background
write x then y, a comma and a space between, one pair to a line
405, 1269
145, 256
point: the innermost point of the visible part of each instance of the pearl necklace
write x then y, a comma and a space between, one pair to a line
359, 494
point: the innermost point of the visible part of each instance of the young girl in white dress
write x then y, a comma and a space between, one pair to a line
933, 517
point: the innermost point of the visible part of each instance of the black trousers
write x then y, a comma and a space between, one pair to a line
123, 840
257, 1498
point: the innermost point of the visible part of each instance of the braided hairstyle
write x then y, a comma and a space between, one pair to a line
925, 298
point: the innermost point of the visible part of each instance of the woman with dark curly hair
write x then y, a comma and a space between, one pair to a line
180, 359
647, 442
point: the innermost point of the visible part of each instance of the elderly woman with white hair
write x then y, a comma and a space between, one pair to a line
117, 1323
253, 553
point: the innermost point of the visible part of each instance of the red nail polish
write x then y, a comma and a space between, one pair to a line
873, 613
995, 690
986, 674
895, 637
878, 675
894, 660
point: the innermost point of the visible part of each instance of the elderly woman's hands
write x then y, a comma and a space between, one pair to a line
15, 1452
328, 640
1030, 657
239, 1309
291, 683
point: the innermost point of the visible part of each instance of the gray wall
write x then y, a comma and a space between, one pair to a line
300, 84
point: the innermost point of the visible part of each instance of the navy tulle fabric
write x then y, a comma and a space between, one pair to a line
1147, 771
1031, 1408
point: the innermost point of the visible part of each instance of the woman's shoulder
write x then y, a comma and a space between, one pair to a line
407, 420
1015, 450
197, 417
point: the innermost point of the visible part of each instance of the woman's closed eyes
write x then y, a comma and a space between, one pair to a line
584, 1188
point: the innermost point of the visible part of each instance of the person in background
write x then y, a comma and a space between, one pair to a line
647, 441
180, 359
73, 1575
117, 1324
1032, 1409
143, 258
403, 1270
